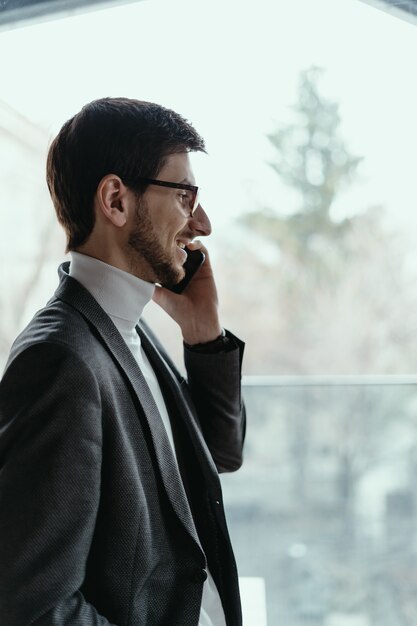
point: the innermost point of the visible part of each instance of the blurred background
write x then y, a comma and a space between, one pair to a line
309, 114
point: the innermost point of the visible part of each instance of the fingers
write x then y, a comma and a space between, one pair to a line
197, 245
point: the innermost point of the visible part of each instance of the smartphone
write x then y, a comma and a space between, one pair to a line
195, 258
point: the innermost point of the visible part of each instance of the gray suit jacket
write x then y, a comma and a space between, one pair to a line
97, 526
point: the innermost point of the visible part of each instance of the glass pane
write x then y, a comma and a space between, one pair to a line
324, 506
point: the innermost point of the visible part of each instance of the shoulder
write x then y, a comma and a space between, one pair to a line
57, 329
43, 353
57, 344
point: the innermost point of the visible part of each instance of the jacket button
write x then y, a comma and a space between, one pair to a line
199, 575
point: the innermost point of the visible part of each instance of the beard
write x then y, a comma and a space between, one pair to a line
143, 245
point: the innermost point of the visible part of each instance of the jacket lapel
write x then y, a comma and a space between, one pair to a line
194, 430
71, 292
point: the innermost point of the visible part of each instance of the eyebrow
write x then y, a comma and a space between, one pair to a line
187, 182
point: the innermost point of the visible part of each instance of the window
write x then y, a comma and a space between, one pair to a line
308, 110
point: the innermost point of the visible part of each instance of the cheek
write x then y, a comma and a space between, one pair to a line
175, 226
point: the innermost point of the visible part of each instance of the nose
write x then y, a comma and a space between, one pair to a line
200, 223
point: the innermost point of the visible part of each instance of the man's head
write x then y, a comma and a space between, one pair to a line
108, 148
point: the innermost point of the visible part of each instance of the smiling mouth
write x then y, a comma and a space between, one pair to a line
183, 243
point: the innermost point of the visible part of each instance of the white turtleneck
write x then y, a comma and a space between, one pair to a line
123, 297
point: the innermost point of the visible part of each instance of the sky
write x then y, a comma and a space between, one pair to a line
231, 68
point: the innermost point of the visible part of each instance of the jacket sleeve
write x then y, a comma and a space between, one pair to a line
214, 381
50, 462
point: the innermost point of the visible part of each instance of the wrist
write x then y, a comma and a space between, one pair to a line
219, 344
202, 335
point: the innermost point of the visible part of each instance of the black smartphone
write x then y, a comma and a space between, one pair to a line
195, 258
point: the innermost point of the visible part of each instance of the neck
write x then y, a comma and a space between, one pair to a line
121, 295
111, 254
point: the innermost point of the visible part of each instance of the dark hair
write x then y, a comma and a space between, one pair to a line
129, 138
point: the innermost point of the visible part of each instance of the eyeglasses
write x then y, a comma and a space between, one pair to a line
192, 196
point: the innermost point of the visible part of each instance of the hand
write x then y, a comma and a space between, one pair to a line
196, 309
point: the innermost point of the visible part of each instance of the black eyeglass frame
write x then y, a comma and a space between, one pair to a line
165, 183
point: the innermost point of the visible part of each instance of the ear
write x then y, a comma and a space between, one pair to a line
111, 199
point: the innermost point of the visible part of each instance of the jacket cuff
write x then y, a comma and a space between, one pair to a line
223, 343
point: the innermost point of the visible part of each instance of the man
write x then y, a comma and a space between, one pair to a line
110, 502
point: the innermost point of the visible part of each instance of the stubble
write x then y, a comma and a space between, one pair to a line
144, 245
